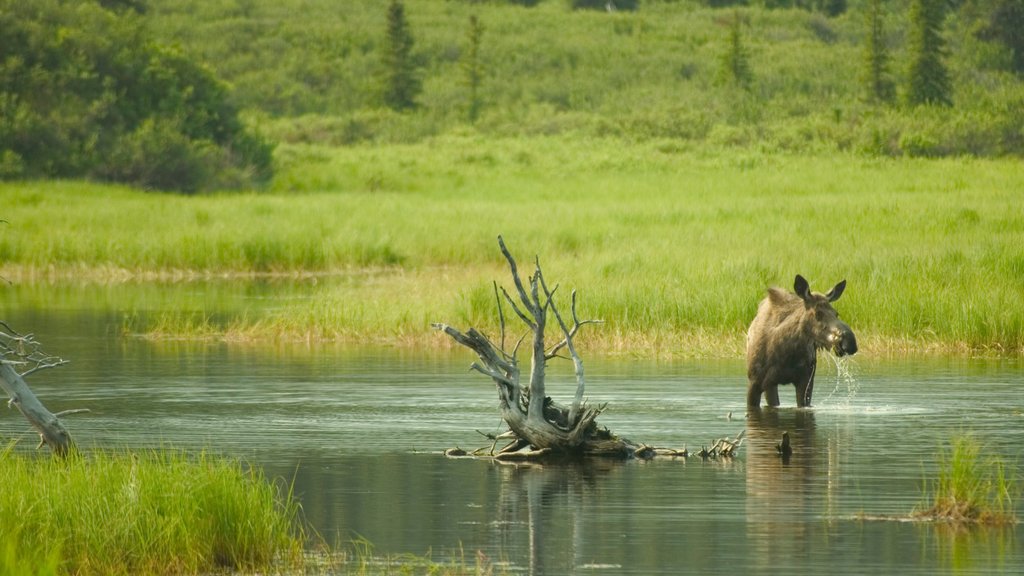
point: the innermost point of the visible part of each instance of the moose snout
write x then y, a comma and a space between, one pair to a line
844, 343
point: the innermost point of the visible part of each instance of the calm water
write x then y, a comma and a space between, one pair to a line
361, 431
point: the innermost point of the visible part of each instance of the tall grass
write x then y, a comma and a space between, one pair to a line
152, 512
970, 488
673, 249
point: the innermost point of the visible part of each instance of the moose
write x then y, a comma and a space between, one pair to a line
784, 339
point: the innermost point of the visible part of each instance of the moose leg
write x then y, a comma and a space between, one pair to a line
805, 389
754, 391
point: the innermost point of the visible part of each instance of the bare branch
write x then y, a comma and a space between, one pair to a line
515, 351
523, 317
44, 366
576, 325
24, 350
515, 276
492, 373
501, 314
577, 362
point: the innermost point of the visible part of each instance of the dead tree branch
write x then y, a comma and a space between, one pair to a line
19, 352
534, 419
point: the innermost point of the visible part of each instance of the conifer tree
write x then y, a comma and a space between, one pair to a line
1006, 25
833, 8
927, 78
878, 85
401, 84
472, 68
736, 61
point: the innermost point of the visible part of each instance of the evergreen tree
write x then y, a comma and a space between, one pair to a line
878, 85
1006, 25
401, 84
833, 8
927, 78
472, 68
736, 61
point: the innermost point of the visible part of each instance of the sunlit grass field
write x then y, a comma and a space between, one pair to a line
672, 247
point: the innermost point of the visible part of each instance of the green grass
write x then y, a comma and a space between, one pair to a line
672, 248
971, 488
309, 72
149, 512
163, 512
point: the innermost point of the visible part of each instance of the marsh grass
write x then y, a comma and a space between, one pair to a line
143, 512
672, 249
971, 488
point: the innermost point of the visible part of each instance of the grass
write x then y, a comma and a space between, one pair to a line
672, 248
164, 512
146, 512
310, 69
971, 489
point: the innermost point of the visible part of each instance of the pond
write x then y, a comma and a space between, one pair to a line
360, 432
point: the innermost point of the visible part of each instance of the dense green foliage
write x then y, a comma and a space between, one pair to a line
308, 69
142, 513
85, 92
672, 248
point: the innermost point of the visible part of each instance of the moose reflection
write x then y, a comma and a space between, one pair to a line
785, 336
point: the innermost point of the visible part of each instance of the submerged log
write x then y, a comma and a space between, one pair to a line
538, 425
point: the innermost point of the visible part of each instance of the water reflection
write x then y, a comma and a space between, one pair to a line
780, 486
550, 501
963, 550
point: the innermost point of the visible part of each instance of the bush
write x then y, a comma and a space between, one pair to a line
158, 156
85, 92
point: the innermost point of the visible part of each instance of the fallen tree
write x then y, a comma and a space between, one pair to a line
538, 426
23, 351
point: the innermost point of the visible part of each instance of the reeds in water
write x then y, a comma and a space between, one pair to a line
971, 488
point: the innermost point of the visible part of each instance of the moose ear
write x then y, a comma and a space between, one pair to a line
801, 287
836, 291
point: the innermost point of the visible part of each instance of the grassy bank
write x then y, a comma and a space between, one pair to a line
167, 512
143, 513
673, 248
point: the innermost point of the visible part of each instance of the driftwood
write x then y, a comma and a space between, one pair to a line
17, 352
539, 427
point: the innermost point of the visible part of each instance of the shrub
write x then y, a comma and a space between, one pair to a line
85, 92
